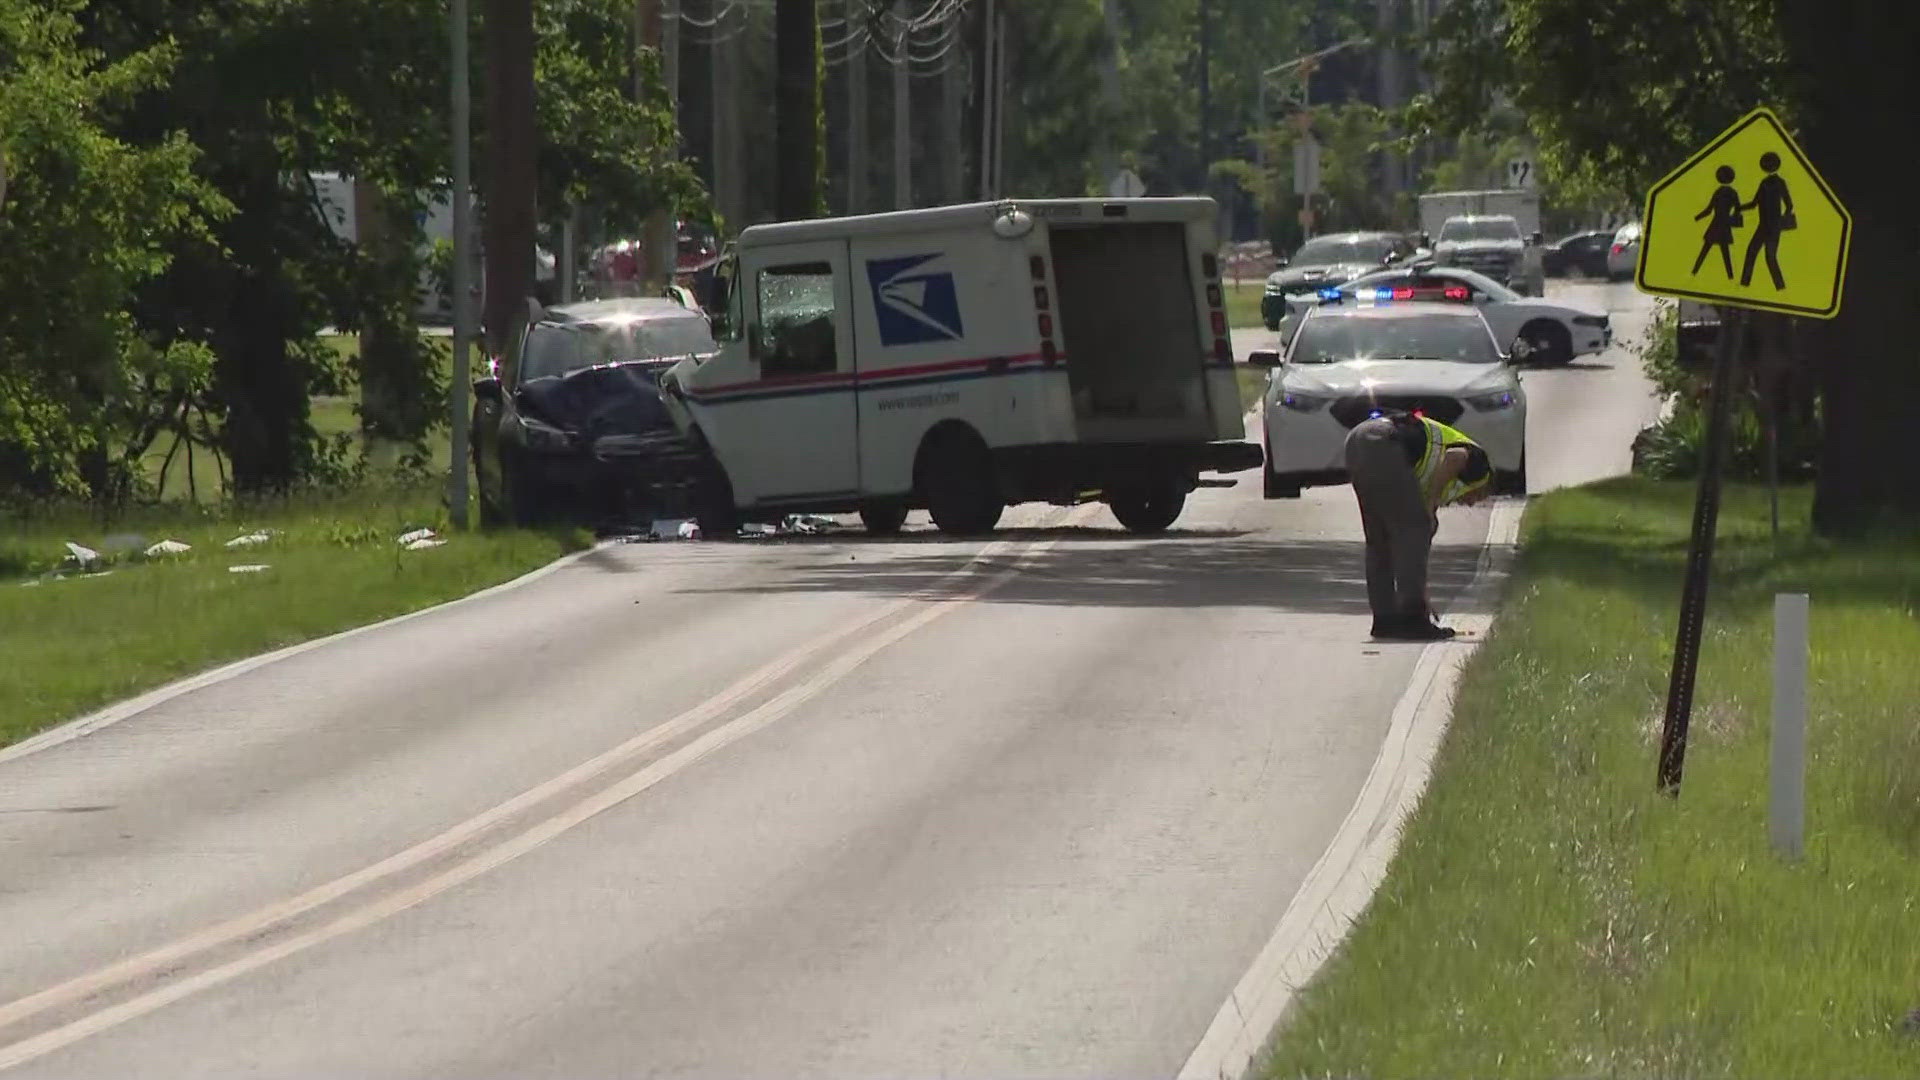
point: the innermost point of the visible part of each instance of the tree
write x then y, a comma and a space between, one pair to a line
1853, 73
1620, 91
88, 218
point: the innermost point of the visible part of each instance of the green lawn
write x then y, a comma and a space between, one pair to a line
76, 644
1550, 915
1243, 305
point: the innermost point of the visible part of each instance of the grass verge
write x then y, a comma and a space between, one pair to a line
1549, 915
77, 643
1243, 304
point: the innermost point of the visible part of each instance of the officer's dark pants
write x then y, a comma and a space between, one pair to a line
1399, 536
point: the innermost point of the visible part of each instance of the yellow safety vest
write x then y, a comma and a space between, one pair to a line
1439, 438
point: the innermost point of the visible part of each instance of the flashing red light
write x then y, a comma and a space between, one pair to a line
1455, 292
1219, 323
1403, 293
1038, 264
1222, 351
1213, 295
1419, 412
1618, 248
1040, 297
1046, 325
1049, 352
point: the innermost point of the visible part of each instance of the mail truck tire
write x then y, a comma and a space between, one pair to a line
1149, 508
956, 478
713, 508
883, 517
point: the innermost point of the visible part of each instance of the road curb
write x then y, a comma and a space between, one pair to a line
1340, 885
83, 726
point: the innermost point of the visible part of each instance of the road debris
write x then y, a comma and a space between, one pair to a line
247, 568
414, 536
82, 557
167, 547
251, 539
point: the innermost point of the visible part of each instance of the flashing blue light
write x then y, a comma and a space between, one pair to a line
1329, 294
1383, 294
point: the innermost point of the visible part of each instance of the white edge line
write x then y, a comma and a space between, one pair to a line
113, 714
1341, 883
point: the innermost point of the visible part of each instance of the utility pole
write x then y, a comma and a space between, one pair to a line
1386, 20
1000, 106
858, 163
657, 240
728, 192
1206, 96
902, 112
989, 98
1110, 90
510, 190
462, 107
796, 101
952, 186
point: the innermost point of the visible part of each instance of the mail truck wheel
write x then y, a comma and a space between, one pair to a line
1148, 508
713, 505
956, 477
883, 517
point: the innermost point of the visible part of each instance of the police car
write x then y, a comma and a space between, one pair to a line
1425, 351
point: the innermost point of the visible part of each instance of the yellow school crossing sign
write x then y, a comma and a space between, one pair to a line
1748, 222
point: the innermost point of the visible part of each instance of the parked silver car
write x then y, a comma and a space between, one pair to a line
1624, 254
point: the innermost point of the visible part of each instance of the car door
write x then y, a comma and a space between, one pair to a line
798, 419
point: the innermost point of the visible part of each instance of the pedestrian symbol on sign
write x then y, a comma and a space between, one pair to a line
1749, 198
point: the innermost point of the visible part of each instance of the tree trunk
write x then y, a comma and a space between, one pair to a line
796, 109
1855, 63
512, 147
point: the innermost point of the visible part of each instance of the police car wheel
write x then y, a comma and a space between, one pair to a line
1511, 482
1147, 509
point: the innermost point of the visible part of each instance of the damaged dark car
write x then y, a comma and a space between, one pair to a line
575, 430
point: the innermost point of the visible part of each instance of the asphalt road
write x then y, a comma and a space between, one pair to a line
815, 807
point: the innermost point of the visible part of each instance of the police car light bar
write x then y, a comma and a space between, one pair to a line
1453, 294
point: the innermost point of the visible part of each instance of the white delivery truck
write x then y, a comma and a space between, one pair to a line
966, 358
1494, 232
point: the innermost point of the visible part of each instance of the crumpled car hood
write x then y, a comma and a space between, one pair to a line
621, 399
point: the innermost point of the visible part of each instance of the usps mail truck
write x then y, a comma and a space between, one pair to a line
965, 358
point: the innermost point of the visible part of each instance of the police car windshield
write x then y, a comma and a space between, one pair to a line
1328, 250
557, 349
1339, 338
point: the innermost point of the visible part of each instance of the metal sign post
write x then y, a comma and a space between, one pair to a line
1801, 231
1706, 518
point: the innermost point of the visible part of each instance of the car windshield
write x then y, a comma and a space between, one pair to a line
1469, 229
1339, 338
1328, 250
556, 349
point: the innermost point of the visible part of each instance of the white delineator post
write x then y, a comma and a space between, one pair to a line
1786, 812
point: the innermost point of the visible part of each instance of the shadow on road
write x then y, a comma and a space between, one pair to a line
1315, 577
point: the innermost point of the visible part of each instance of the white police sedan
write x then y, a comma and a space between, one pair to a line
1430, 353
1556, 331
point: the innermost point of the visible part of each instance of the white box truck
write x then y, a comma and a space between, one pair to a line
1496, 233
965, 358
